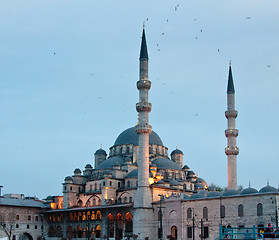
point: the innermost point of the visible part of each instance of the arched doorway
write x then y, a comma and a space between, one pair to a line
25, 236
70, 233
51, 231
128, 225
111, 226
119, 227
174, 232
98, 231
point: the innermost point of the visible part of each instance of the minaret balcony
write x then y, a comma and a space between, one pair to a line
231, 132
232, 150
143, 128
231, 113
143, 84
143, 107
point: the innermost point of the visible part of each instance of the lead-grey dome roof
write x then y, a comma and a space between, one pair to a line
130, 136
110, 162
248, 190
230, 192
165, 163
268, 189
100, 151
176, 151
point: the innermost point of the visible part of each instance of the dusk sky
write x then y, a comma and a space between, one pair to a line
68, 73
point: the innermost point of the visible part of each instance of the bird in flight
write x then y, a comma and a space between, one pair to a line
248, 18
163, 33
218, 50
268, 66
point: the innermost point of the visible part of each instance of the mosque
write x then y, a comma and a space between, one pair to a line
138, 191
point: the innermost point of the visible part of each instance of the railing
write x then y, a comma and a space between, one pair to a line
247, 233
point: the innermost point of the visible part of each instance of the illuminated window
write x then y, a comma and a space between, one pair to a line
98, 215
93, 217
98, 231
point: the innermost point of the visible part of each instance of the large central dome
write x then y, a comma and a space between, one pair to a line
130, 136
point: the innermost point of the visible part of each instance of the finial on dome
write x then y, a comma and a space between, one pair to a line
230, 62
143, 25
101, 147
176, 147
267, 182
249, 184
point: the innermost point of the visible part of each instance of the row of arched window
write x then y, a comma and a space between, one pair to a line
223, 211
85, 216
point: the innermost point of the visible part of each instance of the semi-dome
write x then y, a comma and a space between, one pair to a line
110, 162
268, 189
173, 182
165, 163
130, 136
201, 194
176, 151
248, 190
100, 151
133, 174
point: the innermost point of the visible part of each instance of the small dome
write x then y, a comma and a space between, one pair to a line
174, 183
165, 163
186, 197
77, 171
110, 162
160, 182
211, 188
190, 174
199, 186
100, 151
230, 192
128, 159
248, 190
68, 178
107, 172
176, 151
153, 165
88, 166
268, 189
213, 194
130, 136
133, 174
198, 195
186, 167
52, 197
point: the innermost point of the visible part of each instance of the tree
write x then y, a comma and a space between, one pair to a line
7, 223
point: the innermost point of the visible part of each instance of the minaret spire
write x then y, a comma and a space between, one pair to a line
231, 133
143, 199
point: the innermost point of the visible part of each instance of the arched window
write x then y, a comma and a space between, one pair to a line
240, 210
94, 201
128, 184
125, 199
79, 232
95, 187
70, 234
80, 203
205, 213
98, 215
93, 217
222, 211
259, 209
98, 231
189, 213
130, 199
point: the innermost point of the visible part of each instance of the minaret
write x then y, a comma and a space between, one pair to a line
231, 133
142, 203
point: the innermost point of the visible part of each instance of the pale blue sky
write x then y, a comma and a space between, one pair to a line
68, 72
